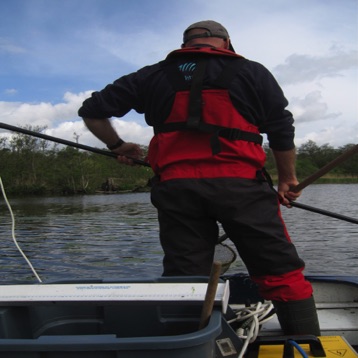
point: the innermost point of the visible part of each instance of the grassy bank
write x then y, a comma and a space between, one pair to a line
329, 179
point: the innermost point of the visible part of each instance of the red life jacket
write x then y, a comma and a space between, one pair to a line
204, 135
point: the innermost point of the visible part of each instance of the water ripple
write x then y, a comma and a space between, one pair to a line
116, 236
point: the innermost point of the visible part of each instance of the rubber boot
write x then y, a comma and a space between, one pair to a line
298, 317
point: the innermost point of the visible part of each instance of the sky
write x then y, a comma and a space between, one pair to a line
55, 53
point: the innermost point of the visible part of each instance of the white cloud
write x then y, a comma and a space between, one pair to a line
336, 136
306, 68
43, 113
62, 121
311, 108
129, 130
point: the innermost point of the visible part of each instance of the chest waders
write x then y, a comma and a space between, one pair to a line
198, 110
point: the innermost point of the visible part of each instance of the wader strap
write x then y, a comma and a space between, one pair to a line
262, 176
195, 97
224, 80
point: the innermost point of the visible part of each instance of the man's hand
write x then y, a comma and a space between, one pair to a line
128, 151
285, 193
103, 130
287, 180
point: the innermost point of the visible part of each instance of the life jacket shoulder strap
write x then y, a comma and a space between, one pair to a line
195, 95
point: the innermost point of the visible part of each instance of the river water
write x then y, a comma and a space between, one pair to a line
116, 236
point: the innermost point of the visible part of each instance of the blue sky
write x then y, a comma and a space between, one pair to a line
54, 53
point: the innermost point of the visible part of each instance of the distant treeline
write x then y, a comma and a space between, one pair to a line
311, 158
32, 166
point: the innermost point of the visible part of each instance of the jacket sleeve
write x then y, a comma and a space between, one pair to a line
115, 100
269, 108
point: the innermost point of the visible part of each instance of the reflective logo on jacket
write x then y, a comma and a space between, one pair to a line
204, 136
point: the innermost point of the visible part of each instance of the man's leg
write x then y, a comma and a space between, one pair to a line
261, 238
187, 233
292, 298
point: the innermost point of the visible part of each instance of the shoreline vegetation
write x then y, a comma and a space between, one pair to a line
330, 179
36, 167
323, 180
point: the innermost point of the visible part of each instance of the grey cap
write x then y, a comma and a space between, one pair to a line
211, 29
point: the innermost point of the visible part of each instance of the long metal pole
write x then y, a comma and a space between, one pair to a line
66, 142
323, 212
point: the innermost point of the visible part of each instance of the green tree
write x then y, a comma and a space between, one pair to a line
270, 164
350, 166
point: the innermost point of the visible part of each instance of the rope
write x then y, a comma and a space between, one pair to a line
13, 232
252, 318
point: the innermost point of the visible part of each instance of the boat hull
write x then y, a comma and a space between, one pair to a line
131, 329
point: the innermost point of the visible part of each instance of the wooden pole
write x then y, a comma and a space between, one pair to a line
210, 294
344, 156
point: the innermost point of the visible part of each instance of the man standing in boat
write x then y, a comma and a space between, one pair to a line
207, 106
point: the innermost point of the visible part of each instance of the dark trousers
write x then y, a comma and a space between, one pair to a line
189, 211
